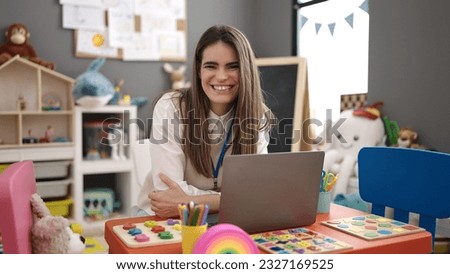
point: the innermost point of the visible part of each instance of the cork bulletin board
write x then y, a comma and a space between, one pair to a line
130, 30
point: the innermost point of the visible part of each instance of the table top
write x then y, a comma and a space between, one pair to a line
420, 242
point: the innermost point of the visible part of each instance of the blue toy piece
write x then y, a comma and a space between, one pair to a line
92, 83
407, 180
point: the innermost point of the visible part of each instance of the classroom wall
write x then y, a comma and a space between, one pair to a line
267, 24
409, 66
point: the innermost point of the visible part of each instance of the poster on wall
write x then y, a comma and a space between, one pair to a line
130, 30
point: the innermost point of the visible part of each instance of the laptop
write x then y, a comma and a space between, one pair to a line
266, 192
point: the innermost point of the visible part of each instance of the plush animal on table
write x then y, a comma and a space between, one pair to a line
407, 138
17, 44
52, 234
177, 76
354, 130
93, 89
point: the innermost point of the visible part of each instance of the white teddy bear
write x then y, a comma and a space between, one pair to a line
356, 129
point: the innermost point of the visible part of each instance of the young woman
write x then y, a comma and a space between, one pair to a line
222, 113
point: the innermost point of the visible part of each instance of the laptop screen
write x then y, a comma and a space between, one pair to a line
265, 192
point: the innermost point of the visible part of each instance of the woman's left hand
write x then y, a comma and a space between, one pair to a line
165, 203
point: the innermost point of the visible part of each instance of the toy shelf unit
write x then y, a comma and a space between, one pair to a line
36, 108
103, 170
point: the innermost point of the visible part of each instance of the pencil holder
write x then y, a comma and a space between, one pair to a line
323, 205
190, 235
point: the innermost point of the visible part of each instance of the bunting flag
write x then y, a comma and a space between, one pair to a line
318, 26
331, 26
303, 21
365, 6
349, 20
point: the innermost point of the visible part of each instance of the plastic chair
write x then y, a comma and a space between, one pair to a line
407, 180
17, 184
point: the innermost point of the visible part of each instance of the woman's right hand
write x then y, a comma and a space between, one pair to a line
165, 203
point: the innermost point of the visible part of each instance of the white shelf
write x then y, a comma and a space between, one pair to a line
104, 172
105, 166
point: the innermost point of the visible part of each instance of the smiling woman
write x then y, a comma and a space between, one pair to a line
222, 113
220, 77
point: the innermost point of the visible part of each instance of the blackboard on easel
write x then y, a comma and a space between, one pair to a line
285, 84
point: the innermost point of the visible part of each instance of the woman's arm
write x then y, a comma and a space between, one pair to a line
165, 203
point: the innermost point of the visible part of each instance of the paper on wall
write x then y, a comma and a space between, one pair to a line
95, 43
144, 48
82, 17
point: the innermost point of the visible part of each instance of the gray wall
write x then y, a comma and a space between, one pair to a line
409, 66
409, 54
267, 24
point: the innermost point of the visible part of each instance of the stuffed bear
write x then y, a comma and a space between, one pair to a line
93, 89
177, 76
355, 129
17, 44
52, 234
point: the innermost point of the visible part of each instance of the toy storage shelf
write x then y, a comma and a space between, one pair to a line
95, 167
33, 98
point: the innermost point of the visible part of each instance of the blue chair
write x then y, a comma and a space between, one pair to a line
407, 180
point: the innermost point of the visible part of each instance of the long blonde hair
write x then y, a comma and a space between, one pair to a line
249, 107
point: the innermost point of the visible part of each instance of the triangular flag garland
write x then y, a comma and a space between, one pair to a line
349, 19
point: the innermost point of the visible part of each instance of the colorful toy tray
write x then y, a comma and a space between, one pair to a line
297, 241
150, 233
372, 227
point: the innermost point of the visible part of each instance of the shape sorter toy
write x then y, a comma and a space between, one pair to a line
372, 227
149, 233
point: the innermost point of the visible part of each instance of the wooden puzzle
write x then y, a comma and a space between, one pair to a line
297, 241
149, 233
372, 227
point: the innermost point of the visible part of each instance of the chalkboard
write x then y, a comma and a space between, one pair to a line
284, 81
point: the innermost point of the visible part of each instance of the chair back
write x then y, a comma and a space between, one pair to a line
17, 184
407, 180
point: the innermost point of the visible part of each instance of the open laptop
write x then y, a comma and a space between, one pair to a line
264, 192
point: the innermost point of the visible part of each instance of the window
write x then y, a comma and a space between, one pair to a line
333, 36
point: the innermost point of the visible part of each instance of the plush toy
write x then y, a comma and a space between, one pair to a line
352, 200
17, 44
52, 234
177, 76
407, 138
355, 129
93, 89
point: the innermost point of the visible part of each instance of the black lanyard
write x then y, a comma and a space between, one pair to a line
219, 161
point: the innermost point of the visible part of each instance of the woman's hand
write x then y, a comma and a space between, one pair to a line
165, 203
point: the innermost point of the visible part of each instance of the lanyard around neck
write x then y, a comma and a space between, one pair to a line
220, 160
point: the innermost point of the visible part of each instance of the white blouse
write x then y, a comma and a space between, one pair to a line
167, 154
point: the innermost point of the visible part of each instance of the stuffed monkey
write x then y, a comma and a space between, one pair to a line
407, 138
17, 44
